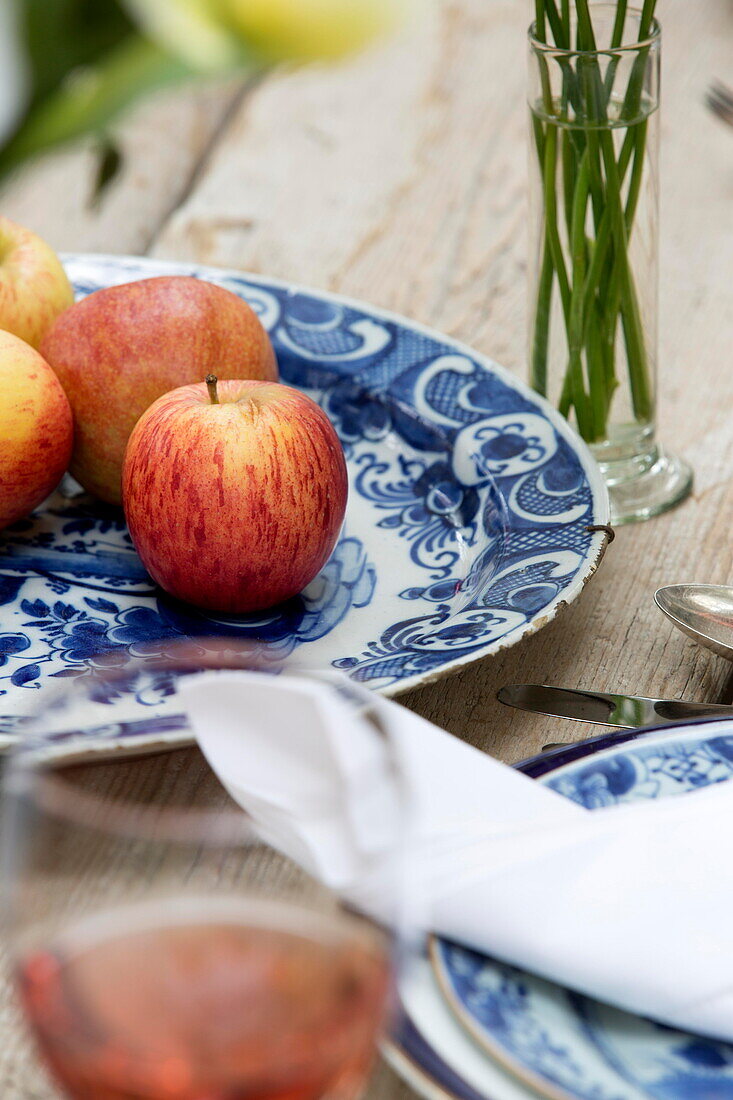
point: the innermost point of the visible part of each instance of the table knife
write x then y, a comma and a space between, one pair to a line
626, 711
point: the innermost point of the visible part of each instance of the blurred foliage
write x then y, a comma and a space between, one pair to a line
61, 35
87, 60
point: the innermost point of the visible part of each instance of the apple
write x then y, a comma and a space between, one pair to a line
34, 288
36, 429
120, 348
234, 494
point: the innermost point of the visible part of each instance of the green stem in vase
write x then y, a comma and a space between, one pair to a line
597, 286
619, 23
556, 25
616, 40
622, 291
601, 385
539, 20
647, 17
586, 37
583, 405
552, 234
569, 166
565, 16
552, 250
544, 291
541, 330
637, 173
631, 109
604, 237
631, 317
606, 352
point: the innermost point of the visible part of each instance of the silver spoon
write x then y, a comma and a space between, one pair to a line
704, 611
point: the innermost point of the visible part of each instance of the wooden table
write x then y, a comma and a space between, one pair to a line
400, 178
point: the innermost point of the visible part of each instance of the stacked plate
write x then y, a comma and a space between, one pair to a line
476, 1029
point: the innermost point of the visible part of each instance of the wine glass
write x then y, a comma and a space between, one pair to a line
162, 949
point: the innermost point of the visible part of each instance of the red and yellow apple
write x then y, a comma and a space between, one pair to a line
119, 349
34, 288
36, 432
234, 499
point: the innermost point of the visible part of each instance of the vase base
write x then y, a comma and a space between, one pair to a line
660, 482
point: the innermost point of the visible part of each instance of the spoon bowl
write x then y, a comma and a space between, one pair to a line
703, 611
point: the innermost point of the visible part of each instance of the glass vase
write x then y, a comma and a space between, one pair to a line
593, 273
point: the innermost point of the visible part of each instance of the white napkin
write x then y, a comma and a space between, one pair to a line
632, 904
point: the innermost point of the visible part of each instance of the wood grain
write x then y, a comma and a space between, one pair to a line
401, 178
165, 143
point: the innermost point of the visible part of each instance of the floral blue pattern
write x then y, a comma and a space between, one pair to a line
468, 522
567, 1044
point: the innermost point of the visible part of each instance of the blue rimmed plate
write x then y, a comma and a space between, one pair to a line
467, 527
434, 1054
562, 1044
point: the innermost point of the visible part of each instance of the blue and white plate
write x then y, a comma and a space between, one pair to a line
468, 525
562, 1044
435, 1055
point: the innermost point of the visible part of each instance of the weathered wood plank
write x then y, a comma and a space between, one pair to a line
409, 172
163, 140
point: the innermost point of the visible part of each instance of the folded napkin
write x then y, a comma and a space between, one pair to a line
630, 904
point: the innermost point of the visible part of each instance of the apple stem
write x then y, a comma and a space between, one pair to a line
211, 381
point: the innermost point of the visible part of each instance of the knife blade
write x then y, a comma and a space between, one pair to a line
604, 709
